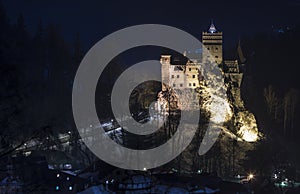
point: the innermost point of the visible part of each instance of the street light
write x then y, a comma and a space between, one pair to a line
250, 176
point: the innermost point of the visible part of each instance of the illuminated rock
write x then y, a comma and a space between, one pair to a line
248, 128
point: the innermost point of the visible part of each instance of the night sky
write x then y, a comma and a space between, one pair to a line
95, 19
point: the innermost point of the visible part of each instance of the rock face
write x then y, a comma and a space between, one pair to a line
227, 112
244, 120
246, 123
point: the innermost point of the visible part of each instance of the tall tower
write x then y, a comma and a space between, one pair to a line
165, 61
213, 40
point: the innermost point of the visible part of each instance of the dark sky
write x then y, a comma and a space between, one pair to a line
95, 19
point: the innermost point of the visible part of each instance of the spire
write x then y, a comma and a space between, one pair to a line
212, 27
240, 53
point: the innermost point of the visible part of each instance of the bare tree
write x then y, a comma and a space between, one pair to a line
272, 101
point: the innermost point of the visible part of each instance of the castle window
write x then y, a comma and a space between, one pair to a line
177, 76
190, 69
194, 76
174, 85
217, 56
172, 76
194, 84
216, 48
208, 48
181, 85
190, 84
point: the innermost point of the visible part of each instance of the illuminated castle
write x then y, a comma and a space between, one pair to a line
186, 75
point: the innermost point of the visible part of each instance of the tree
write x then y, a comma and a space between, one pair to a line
290, 102
272, 101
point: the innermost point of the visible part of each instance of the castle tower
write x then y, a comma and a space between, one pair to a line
213, 40
165, 61
234, 77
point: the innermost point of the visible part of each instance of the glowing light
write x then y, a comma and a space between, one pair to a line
212, 28
251, 176
144, 169
283, 184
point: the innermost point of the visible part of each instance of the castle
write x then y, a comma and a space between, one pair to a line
187, 76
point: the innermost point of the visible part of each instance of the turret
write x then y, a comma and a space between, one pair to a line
213, 41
